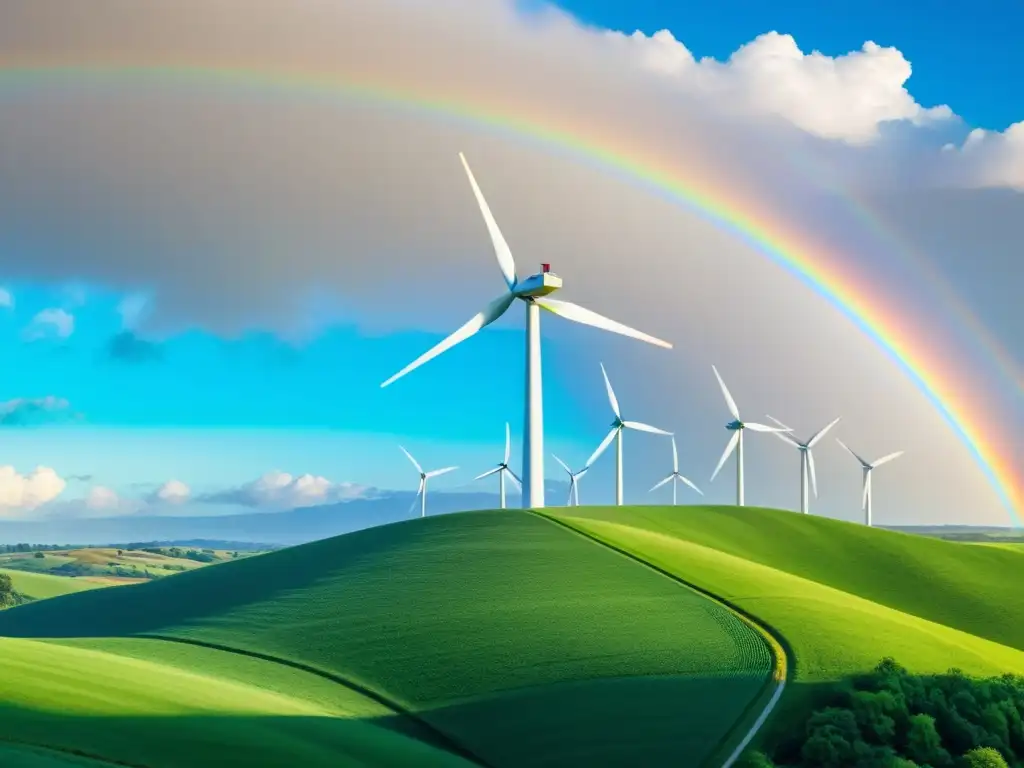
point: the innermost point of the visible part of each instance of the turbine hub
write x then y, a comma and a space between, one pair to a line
734, 425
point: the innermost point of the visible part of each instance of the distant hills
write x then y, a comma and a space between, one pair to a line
243, 531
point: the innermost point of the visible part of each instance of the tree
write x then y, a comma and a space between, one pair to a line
38, 555
924, 745
983, 757
756, 759
8, 596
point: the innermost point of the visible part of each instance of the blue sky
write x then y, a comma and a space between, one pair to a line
966, 55
228, 213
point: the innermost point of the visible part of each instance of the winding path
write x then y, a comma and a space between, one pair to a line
775, 647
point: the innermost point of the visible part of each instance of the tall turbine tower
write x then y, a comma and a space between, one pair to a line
737, 427
502, 469
574, 482
806, 459
868, 467
533, 292
675, 476
617, 428
421, 492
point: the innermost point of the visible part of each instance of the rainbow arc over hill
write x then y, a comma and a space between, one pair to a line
796, 252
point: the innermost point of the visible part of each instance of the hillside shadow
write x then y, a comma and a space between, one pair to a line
210, 741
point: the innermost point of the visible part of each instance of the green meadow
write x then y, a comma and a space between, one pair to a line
39, 586
500, 637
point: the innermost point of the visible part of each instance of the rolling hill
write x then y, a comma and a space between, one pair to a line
500, 635
39, 586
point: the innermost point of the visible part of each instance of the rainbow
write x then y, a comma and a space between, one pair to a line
794, 251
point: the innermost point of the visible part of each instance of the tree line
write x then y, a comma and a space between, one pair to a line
890, 718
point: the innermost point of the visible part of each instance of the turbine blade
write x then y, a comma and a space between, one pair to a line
611, 392
488, 473
755, 427
667, 479
501, 250
814, 475
675, 455
886, 459
601, 448
778, 422
783, 436
488, 315
821, 433
579, 314
689, 483
729, 448
564, 465
850, 451
641, 427
728, 398
581, 473
444, 471
414, 462
416, 498
514, 477
508, 443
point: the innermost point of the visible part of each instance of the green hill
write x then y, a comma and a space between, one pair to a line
840, 595
39, 586
516, 639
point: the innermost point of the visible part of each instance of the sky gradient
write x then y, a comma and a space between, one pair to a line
216, 275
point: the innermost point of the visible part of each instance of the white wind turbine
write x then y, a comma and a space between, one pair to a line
421, 492
574, 482
617, 428
533, 292
502, 469
675, 476
737, 427
806, 459
868, 467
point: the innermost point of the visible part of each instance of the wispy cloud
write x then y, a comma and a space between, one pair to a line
281, 490
53, 323
26, 410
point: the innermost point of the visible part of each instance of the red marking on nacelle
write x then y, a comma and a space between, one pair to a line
545, 268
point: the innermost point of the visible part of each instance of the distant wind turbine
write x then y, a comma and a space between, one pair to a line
502, 469
737, 428
675, 476
421, 493
574, 482
806, 459
532, 291
868, 467
617, 428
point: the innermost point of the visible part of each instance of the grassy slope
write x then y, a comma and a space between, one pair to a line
103, 562
39, 586
523, 641
963, 586
128, 710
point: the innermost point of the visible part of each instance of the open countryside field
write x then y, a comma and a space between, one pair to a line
107, 565
39, 586
840, 595
519, 641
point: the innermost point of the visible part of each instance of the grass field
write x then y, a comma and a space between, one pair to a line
840, 595
521, 641
40, 586
107, 565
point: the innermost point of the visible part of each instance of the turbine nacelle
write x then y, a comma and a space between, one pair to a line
734, 425
540, 284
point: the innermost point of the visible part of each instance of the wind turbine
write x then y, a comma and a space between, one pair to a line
737, 427
502, 469
574, 482
868, 467
675, 476
533, 292
617, 427
421, 492
806, 459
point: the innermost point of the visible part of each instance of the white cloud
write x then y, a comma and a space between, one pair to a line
991, 158
844, 97
6, 298
173, 492
51, 323
281, 490
22, 409
102, 498
20, 493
